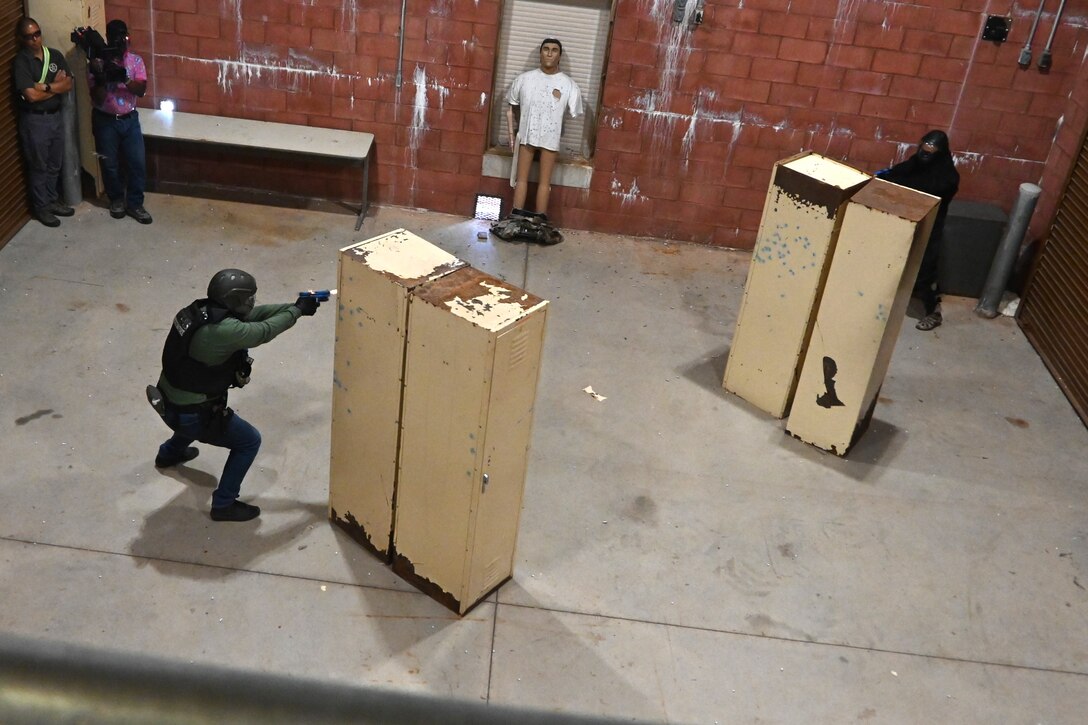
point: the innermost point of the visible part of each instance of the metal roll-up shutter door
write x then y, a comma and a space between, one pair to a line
14, 212
582, 26
1054, 312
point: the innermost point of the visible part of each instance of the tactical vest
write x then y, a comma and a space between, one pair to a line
185, 373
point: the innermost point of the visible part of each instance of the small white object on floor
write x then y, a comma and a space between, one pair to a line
1009, 304
596, 396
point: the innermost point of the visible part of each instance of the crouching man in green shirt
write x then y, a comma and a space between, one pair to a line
206, 352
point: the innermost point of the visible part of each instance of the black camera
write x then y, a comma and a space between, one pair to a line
104, 60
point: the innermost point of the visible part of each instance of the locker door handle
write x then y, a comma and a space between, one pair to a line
483, 489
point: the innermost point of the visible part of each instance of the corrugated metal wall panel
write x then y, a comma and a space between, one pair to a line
13, 204
1054, 314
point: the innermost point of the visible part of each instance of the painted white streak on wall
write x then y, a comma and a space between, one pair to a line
255, 65
646, 103
348, 15
442, 91
630, 196
903, 150
689, 137
675, 41
419, 122
301, 61
419, 106
226, 12
677, 48
483, 101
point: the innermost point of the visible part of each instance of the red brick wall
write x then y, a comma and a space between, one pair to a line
691, 121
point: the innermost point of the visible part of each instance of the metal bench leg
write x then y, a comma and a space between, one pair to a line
366, 198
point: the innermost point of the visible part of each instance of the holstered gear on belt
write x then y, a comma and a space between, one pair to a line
157, 400
214, 413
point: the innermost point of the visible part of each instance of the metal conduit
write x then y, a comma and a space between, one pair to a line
1007, 250
50, 682
400, 51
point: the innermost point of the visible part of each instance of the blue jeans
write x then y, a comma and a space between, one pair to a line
117, 139
230, 431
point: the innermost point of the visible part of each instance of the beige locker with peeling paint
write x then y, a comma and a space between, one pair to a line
376, 278
801, 219
883, 236
473, 360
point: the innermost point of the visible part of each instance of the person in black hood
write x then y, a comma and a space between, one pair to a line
930, 170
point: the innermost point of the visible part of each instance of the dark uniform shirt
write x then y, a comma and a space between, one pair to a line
27, 71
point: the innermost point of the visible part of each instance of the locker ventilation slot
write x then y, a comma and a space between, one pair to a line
519, 347
492, 574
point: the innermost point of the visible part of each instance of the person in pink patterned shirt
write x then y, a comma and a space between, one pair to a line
116, 80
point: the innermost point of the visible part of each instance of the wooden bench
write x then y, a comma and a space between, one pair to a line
245, 133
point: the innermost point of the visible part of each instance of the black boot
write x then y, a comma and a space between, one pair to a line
237, 511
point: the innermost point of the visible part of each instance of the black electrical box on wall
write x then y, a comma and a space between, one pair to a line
996, 28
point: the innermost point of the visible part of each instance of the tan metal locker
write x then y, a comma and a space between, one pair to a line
473, 360
376, 277
796, 237
884, 233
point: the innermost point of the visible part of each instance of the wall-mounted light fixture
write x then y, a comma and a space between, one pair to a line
488, 207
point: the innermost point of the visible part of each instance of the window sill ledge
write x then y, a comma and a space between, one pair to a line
575, 174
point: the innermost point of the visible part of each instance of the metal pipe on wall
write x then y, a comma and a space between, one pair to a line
1025, 53
400, 52
70, 166
1007, 250
1044, 57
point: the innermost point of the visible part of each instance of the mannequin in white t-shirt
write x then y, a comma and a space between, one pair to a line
537, 101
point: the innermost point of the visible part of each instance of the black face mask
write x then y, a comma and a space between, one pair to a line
935, 139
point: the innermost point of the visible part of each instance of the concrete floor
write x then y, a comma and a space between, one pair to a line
681, 559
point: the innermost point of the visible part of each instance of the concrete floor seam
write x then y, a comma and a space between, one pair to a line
555, 610
491, 658
791, 640
179, 562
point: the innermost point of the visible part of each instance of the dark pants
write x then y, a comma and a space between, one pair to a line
118, 139
42, 136
226, 431
925, 286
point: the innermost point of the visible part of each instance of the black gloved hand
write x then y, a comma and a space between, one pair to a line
307, 305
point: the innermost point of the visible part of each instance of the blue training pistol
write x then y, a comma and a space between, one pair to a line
321, 295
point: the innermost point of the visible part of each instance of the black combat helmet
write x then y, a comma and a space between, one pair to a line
234, 289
